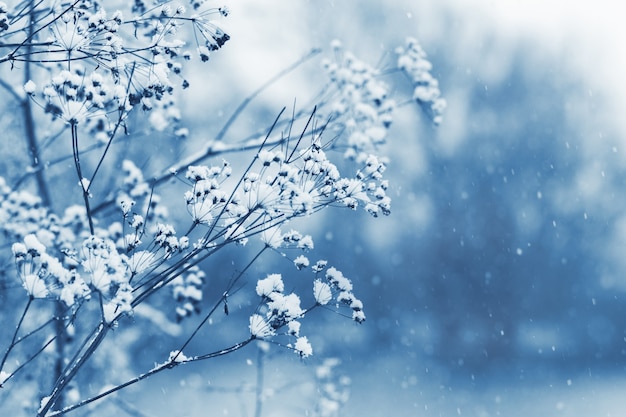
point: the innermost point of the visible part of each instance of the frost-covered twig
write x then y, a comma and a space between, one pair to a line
175, 359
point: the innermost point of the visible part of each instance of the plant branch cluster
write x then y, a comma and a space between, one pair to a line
88, 69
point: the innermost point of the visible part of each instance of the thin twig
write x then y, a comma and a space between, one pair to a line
81, 179
29, 122
248, 100
17, 329
219, 302
159, 368
73, 367
120, 119
32, 32
258, 404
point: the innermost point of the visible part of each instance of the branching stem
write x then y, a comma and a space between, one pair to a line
81, 180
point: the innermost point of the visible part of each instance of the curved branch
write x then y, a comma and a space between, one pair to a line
171, 363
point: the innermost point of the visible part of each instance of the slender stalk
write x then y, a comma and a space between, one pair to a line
59, 344
120, 120
73, 367
29, 122
159, 368
81, 179
258, 407
17, 329
219, 302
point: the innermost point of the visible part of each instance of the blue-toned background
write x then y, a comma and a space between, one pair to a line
497, 285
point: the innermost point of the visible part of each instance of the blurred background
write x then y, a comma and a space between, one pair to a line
496, 287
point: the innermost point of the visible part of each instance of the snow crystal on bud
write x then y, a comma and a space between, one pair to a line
33, 245
322, 292
358, 316
273, 283
306, 243
137, 221
301, 262
293, 328
336, 278
43, 403
166, 11
413, 61
19, 250
118, 16
266, 157
197, 172
356, 305
126, 205
319, 266
345, 297
178, 357
181, 133
259, 328
285, 307
30, 87
303, 347
3, 377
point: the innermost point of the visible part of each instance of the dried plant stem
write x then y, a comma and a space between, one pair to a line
79, 172
258, 407
80, 358
167, 365
29, 122
17, 329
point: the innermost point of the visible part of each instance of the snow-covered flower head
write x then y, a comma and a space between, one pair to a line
412, 60
273, 283
302, 347
206, 199
103, 264
43, 275
361, 106
322, 292
4, 21
259, 327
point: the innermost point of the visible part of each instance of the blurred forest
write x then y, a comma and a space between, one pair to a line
505, 236
502, 264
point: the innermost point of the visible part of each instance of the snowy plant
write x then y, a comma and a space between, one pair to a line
94, 248
334, 389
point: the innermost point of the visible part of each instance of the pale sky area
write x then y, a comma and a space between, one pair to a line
590, 32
